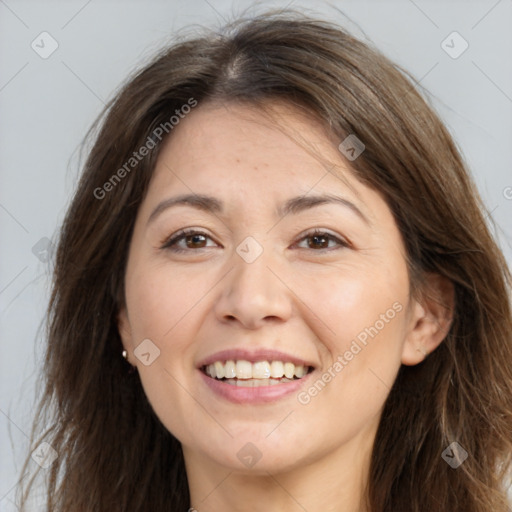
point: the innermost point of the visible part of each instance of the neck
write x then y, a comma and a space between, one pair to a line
334, 482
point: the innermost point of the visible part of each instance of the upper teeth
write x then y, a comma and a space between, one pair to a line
261, 370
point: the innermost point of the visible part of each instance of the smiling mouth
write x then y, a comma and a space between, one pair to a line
262, 373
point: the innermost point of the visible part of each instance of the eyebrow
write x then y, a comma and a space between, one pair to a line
292, 206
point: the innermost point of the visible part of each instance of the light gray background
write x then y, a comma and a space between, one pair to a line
46, 106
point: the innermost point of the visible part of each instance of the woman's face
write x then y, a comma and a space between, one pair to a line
255, 291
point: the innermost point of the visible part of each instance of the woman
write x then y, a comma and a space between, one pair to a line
275, 290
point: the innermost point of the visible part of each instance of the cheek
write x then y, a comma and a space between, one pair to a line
352, 301
160, 301
362, 333
162, 308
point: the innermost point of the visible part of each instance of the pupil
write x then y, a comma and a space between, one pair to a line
196, 239
318, 238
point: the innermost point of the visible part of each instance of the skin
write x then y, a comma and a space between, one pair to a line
298, 297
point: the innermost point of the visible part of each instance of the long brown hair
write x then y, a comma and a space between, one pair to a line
113, 453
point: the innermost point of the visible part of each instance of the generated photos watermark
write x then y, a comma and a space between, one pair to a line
137, 156
454, 45
454, 455
147, 352
44, 455
356, 346
351, 147
249, 455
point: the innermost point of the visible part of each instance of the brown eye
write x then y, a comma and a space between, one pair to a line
320, 240
187, 240
195, 241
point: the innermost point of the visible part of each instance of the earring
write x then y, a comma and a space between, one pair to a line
124, 353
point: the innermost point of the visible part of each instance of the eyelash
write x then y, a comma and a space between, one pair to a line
170, 243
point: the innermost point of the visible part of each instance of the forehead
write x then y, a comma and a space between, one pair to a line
233, 144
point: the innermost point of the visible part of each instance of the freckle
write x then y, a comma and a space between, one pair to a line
238, 160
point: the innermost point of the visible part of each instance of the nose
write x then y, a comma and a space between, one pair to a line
254, 294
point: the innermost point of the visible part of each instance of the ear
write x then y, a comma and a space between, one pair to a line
124, 329
430, 319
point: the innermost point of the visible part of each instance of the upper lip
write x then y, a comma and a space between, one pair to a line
253, 356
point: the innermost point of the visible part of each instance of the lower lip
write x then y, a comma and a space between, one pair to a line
260, 394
